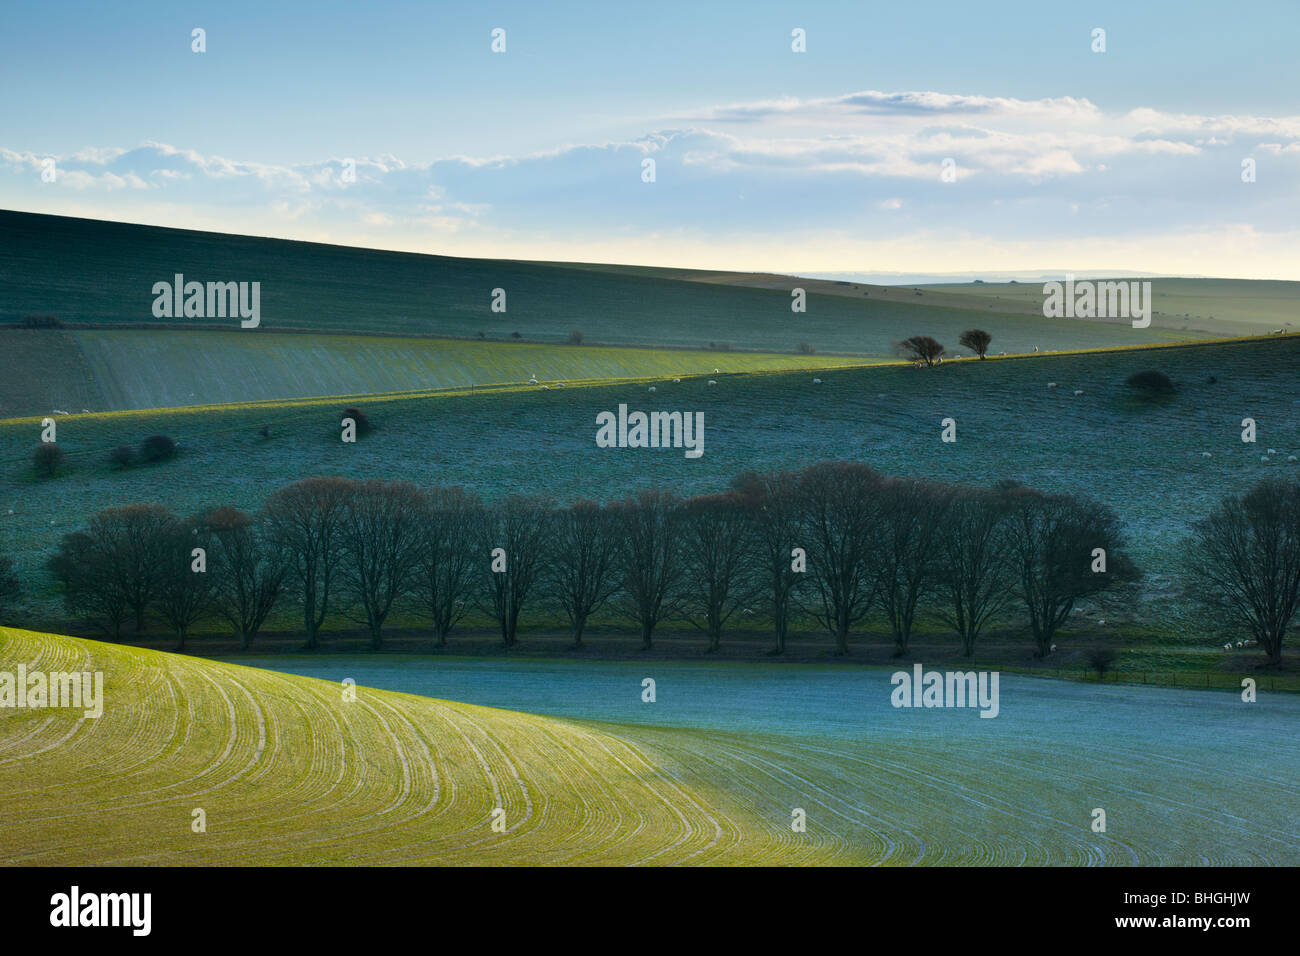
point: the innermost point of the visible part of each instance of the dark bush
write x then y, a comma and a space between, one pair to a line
1151, 382
807, 348
515, 335
41, 322
358, 416
157, 448
123, 456
47, 456
576, 337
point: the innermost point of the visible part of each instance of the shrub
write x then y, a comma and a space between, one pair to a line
41, 322
123, 456
157, 448
47, 456
575, 337
807, 348
977, 340
1151, 382
1101, 659
358, 416
515, 335
920, 348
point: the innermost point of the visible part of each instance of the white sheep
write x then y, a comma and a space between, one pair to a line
1277, 332
1206, 454
1227, 647
677, 381
650, 389
817, 381
1102, 622
717, 371
532, 380
1240, 644
1264, 459
1053, 649
1051, 385
1078, 391
1291, 458
712, 382
545, 387
1272, 451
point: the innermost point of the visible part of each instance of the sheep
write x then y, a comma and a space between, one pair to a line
1227, 647
817, 381
712, 382
559, 385
1240, 644
1102, 622
545, 387
59, 411
650, 389
532, 380
1272, 451
717, 371
1291, 458
1206, 454
1264, 459
677, 381
1277, 332
1051, 385
1052, 650
1078, 391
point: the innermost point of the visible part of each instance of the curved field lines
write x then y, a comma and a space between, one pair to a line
290, 770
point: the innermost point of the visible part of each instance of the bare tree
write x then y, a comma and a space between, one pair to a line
717, 533
185, 596
381, 537
582, 564
774, 508
247, 569
977, 340
840, 507
921, 348
513, 550
976, 574
89, 578
449, 556
911, 513
1055, 541
304, 521
1244, 562
649, 560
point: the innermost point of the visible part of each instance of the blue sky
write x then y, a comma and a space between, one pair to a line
766, 159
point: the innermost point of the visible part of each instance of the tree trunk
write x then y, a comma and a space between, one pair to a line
842, 641
646, 631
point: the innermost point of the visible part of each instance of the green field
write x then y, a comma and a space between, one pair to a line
137, 368
1145, 460
86, 271
289, 772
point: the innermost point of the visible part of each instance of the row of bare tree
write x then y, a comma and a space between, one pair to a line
833, 543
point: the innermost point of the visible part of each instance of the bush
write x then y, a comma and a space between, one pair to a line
515, 335
41, 322
1151, 382
1101, 659
358, 416
807, 348
157, 448
47, 456
575, 337
123, 456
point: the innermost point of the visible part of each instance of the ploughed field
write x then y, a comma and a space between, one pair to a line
287, 771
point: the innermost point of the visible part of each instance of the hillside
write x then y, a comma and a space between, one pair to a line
88, 271
286, 771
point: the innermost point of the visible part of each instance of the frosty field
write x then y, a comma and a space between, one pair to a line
286, 771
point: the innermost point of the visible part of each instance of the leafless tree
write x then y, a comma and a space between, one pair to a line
911, 515
449, 556
774, 507
840, 511
582, 564
513, 550
185, 596
717, 534
977, 340
115, 563
1244, 562
649, 559
921, 348
381, 538
1053, 540
304, 520
247, 568
976, 575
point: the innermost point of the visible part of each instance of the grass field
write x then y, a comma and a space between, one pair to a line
1145, 460
86, 271
138, 368
288, 772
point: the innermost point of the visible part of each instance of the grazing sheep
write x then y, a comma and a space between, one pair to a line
1053, 649
1227, 647
712, 382
545, 387
1102, 622
559, 385
1272, 451
1078, 391
1241, 644
1264, 459
1206, 454
650, 389
717, 371
817, 381
59, 411
1290, 457
677, 381
532, 380
1051, 385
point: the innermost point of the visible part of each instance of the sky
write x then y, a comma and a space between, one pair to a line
938, 138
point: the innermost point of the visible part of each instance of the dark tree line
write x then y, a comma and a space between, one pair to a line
833, 543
